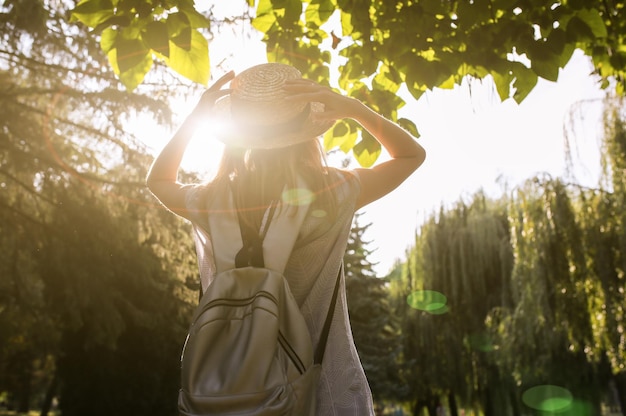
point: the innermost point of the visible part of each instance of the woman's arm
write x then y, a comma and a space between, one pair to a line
406, 154
162, 178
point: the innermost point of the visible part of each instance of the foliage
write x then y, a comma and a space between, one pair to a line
131, 32
93, 275
534, 283
463, 254
379, 47
88, 266
374, 328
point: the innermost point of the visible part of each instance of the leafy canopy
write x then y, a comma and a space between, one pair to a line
379, 46
133, 33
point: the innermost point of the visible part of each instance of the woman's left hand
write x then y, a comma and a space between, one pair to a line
336, 106
212, 94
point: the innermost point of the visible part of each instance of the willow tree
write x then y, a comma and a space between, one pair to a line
90, 266
545, 336
456, 274
614, 281
605, 226
567, 326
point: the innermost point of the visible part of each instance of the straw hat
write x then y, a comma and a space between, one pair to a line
255, 114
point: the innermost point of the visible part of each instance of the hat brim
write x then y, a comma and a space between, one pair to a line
233, 133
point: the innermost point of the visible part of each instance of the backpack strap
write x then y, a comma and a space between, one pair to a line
321, 345
274, 242
251, 253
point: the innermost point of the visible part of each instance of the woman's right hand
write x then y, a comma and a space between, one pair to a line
406, 154
336, 106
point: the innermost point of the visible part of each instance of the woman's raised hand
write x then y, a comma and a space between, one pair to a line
336, 106
212, 94
406, 154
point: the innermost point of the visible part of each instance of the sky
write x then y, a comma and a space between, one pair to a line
476, 142
472, 139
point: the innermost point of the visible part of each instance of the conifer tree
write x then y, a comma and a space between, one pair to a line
373, 326
93, 302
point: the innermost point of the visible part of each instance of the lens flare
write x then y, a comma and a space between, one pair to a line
298, 196
548, 398
481, 342
318, 213
429, 301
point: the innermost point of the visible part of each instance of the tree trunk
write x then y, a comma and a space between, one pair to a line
430, 403
417, 408
620, 384
515, 410
488, 404
50, 393
452, 404
23, 398
433, 404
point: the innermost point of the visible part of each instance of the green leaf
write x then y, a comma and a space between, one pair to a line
367, 150
566, 54
93, 12
112, 55
409, 126
130, 52
424, 73
319, 11
386, 80
264, 7
264, 22
346, 23
179, 30
503, 84
176, 24
414, 79
157, 38
192, 63
546, 69
415, 89
593, 20
195, 19
293, 11
183, 39
343, 135
265, 17
558, 44
107, 40
525, 81
557, 41
122, 21
543, 61
133, 76
577, 30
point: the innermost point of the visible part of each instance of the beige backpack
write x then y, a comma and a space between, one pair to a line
248, 351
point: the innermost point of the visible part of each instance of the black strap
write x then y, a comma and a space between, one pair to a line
321, 345
251, 253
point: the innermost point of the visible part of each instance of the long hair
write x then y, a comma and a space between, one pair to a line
260, 177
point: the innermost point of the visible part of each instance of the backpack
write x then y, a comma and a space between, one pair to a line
248, 350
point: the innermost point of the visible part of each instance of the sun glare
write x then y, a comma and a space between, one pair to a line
233, 47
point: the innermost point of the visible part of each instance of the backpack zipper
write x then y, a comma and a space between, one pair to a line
291, 353
293, 356
237, 302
